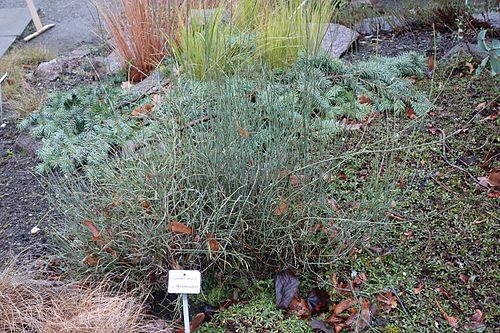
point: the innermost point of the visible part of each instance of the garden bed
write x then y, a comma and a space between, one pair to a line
398, 202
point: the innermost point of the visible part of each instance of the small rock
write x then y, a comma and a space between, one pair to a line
381, 24
25, 143
492, 18
3, 125
82, 51
151, 83
50, 70
338, 39
359, 3
35, 230
110, 65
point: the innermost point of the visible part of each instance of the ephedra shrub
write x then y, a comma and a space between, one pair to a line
231, 175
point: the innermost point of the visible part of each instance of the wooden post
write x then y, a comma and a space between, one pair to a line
36, 20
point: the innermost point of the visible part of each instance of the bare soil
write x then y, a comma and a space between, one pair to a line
23, 205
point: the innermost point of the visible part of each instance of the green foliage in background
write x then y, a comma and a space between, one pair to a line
493, 50
80, 127
83, 128
252, 32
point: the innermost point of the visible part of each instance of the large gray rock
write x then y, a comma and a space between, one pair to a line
493, 18
338, 39
49, 70
201, 16
467, 49
381, 24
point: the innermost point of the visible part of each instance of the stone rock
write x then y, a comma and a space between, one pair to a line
201, 16
381, 24
109, 65
26, 144
359, 3
150, 84
35, 230
82, 51
468, 49
50, 70
493, 18
338, 39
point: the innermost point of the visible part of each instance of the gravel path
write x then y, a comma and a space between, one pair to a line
76, 23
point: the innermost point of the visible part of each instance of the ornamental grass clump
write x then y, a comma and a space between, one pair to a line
234, 37
142, 31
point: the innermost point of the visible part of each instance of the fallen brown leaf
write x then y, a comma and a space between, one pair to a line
494, 195
179, 228
418, 289
147, 206
213, 244
464, 278
344, 305
360, 279
282, 208
93, 229
411, 113
364, 315
297, 180
444, 292
143, 111
333, 204
388, 299
364, 100
431, 63
401, 183
494, 178
300, 307
476, 323
452, 321
90, 260
242, 131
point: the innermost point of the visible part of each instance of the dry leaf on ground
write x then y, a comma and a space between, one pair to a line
179, 228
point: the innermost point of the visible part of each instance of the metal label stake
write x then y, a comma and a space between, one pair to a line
1, 98
184, 283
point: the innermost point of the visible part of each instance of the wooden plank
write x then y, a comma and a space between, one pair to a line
34, 15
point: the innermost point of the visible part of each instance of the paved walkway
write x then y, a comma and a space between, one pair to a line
76, 23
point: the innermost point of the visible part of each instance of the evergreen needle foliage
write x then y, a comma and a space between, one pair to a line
83, 129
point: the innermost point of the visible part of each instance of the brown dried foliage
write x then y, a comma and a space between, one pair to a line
36, 306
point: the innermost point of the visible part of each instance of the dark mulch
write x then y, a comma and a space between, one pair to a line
417, 40
22, 199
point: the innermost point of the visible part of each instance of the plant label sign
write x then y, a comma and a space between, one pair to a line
184, 282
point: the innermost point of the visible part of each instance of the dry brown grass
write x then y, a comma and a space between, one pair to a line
35, 306
18, 62
141, 31
27, 100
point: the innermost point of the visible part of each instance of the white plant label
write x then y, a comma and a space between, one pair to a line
184, 282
